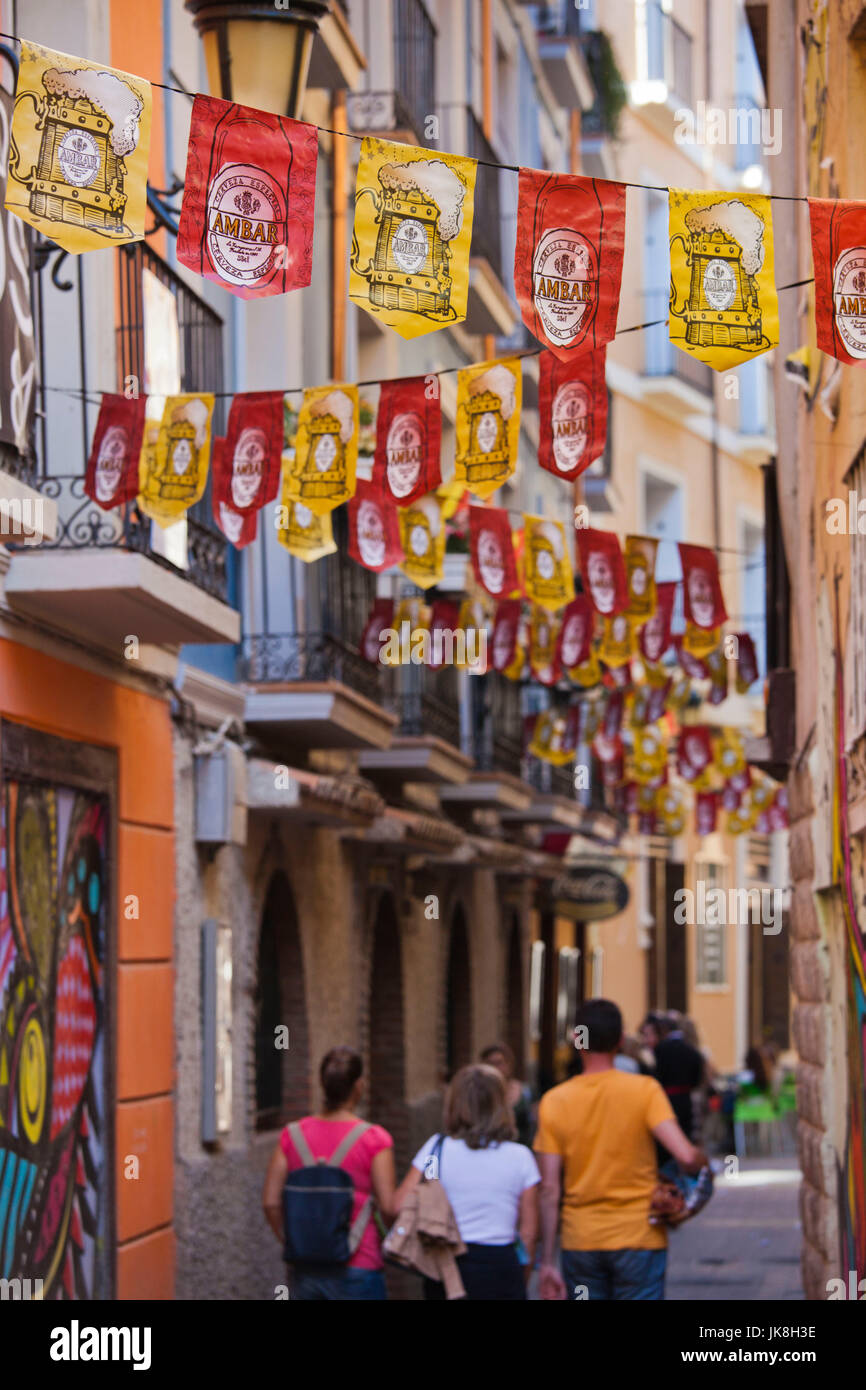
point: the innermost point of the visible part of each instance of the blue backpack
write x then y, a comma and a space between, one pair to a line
317, 1205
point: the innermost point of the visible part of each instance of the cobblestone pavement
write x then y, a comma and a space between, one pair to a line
746, 1243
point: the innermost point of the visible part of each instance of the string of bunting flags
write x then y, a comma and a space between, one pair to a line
78, 157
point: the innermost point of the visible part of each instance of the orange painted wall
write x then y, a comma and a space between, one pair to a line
61, 699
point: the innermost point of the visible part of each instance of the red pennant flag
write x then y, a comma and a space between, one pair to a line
777, 811
445, 617
702, 590
747, 662
250, 477
505, 627
408, 436
603, 570
246, 219
839, 260
694, 668
381, 619
238, 527
655, 635
657, 702
694, 752
111, 477
706, 812
374, 529
568, 258
575, 635
492, 551
572, 413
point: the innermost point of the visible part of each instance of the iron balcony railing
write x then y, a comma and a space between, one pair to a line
486, 220
497, 723
281, 658
82, 525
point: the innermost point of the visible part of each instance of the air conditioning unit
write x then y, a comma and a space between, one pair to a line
220, 796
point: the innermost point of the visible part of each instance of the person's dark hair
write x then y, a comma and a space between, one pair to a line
603, 1023
659, 1022
755, 1064
492, 1050
340, 1069
477, 1109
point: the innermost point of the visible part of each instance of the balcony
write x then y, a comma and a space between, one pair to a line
601, 119
674, 381
312, 690
426, 746
401, 114
101, 577
562, 57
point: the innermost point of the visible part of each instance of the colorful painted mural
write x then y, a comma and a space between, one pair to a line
852, 1174
54, 1198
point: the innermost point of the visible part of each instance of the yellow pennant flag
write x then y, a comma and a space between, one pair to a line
547, 567
413, 227
640, 566
488, 424
724, 309
617, 644
588, 673
650, 753
422, 536
172, 469
322, 474
729, 752
303, 534
699, 641
78, 150
550, 738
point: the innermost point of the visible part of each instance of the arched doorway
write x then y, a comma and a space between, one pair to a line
282, 1072
514, 996
458, 1003
387, 1084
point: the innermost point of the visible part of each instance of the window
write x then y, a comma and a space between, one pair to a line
664, 516
753, 590
710, 927
567, 992
536, 990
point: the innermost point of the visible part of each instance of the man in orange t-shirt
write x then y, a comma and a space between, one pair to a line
594, 1146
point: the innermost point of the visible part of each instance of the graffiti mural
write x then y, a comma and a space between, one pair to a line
53, 1174
852, 1174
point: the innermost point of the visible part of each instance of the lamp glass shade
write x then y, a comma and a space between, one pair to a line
268, 63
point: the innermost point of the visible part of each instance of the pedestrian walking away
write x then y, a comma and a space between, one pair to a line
491, 1182
327, 1176
598, 1168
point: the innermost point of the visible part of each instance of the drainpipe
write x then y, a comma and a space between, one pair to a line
487, 111
338, 263
714, 447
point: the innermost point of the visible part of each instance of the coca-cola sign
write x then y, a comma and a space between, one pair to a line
590, 893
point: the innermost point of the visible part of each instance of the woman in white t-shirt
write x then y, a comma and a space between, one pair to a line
490, 1181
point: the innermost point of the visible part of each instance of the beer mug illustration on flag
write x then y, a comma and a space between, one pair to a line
322, 475
547, 566
723, 308
422, 536
410, 245
78, 150
173, 468
488, 424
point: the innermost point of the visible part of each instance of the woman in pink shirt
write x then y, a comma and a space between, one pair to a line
369, 1163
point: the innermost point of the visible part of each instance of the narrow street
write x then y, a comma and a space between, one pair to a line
746, 1244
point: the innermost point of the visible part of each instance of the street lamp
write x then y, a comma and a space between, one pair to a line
258, 54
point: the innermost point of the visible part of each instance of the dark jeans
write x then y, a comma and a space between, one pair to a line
614, 1274
489, 1272
336, 1285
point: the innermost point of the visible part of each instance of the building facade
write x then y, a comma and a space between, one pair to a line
285, 847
